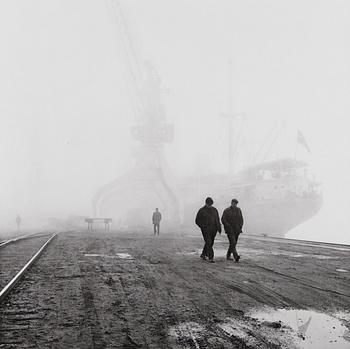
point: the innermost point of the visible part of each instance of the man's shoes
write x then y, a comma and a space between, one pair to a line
229, 258
237, 259
211, 260
203, 257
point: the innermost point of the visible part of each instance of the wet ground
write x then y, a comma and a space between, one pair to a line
113, 290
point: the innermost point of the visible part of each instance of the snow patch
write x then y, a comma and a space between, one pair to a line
117, 255
189, 331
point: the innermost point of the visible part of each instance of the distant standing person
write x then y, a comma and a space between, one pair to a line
232, 219
18, 221
208, 220
156, 218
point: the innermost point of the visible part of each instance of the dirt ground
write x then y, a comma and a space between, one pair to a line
133, 290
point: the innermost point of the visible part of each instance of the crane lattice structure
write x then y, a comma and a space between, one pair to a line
150, 177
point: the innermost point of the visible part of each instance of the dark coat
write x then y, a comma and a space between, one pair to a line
232, 219
156, 218
208, 219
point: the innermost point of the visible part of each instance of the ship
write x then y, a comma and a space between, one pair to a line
275, 196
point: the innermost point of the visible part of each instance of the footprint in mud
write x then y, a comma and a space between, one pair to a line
257, 335
227, 334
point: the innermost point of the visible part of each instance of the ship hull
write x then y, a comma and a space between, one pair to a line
269, 217
277, 217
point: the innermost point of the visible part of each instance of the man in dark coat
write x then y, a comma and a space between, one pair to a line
232, 219
208, 220
156, 218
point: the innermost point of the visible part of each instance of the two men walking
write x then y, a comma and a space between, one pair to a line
208, 220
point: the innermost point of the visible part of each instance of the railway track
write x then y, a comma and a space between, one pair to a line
16, 257
21, 237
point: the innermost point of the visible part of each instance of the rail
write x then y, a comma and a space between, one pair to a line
7, 289
22, 237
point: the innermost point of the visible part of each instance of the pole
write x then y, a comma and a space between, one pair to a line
230, 116
230, 162
229, 112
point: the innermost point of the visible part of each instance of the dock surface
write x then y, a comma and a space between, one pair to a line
134, 290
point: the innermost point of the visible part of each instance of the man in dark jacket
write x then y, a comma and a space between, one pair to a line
232, 219
208, 220
156, 218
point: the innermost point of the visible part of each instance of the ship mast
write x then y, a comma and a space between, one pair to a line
230, 116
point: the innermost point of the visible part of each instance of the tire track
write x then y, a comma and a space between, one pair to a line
299, 281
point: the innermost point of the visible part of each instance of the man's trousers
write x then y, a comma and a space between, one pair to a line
156, 228
233, 239
209, 238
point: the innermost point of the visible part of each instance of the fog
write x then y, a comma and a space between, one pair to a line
67, 101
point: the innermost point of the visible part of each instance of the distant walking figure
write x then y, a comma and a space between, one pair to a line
208, 220
18, 221
232, 219
156, 218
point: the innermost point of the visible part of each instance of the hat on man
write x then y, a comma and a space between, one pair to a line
234, 201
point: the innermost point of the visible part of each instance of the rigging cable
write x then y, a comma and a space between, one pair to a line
263, 146
132, 63
272, 143
238, 140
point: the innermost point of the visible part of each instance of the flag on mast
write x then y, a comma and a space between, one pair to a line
301, 139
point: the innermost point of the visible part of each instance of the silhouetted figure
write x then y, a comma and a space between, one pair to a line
156, 218
18, 222
208, 220
232, 219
